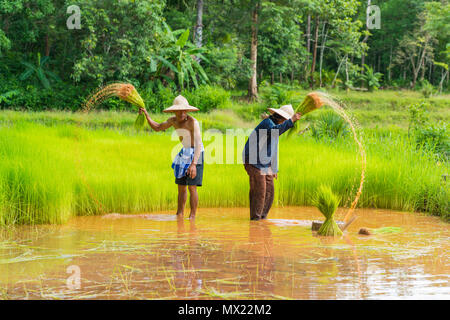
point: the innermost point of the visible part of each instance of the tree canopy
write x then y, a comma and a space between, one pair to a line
240, 43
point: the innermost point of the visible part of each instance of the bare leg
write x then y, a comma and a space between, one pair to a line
182, 197
193, 199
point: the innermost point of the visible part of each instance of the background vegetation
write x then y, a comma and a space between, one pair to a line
167, 46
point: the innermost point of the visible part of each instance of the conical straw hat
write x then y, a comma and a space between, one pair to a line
285, 111
179, 104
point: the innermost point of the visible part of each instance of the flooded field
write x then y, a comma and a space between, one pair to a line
223, 255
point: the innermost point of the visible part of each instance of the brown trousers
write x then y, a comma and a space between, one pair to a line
261, 192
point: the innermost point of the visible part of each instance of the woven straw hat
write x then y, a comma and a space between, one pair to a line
285, 111
180, 103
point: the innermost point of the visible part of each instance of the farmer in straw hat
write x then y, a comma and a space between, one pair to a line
260, 157
188, 163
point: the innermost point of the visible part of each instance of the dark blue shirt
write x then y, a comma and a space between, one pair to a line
261, 148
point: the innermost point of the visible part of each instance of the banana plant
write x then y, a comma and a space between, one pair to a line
372, 79
181, 57
39, 72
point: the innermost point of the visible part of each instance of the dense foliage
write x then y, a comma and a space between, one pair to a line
166, 46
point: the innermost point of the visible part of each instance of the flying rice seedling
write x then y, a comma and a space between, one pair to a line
310, 103
327, 203
125, 91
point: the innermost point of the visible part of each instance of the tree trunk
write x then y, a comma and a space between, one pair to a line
346, 73
199, 26
441, 83
198, 34
337, 73
416, 68
415, 74
363, 56
272, 79
422, 76
308, 45
390, 65
252, 85
322, 49
313, 66
430, 73
281, 78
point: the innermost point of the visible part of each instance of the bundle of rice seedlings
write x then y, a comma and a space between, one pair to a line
128, 92
140, 121
124, 91
327, 203
312, 102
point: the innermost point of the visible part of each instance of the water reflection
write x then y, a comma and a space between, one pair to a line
223, 255
187, 260
261, 264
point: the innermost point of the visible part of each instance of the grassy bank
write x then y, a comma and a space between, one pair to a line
52, 172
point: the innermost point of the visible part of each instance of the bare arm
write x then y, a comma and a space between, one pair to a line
192, 170
155, 125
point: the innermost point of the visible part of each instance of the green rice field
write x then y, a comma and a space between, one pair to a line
53, 169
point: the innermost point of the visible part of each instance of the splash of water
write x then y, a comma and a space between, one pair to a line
326, 99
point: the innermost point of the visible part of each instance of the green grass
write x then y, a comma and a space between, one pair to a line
219, 119
381, 109
53, 169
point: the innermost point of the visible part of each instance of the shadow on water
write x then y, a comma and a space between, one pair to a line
222, 255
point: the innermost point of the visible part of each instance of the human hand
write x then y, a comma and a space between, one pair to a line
275, 175
143, 111
264, 115
296, 116
192, 171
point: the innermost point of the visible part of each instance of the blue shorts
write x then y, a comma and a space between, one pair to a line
197, 181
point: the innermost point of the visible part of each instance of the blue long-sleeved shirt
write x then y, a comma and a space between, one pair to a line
261, 148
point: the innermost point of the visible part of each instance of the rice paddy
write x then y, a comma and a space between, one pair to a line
89, 192
50, 173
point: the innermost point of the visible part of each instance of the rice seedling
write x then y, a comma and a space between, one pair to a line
124, 91
311, 102
327, 203
140, 121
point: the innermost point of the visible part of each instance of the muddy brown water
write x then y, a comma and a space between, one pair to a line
222, 255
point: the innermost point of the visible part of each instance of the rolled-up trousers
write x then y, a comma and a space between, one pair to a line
261, 192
